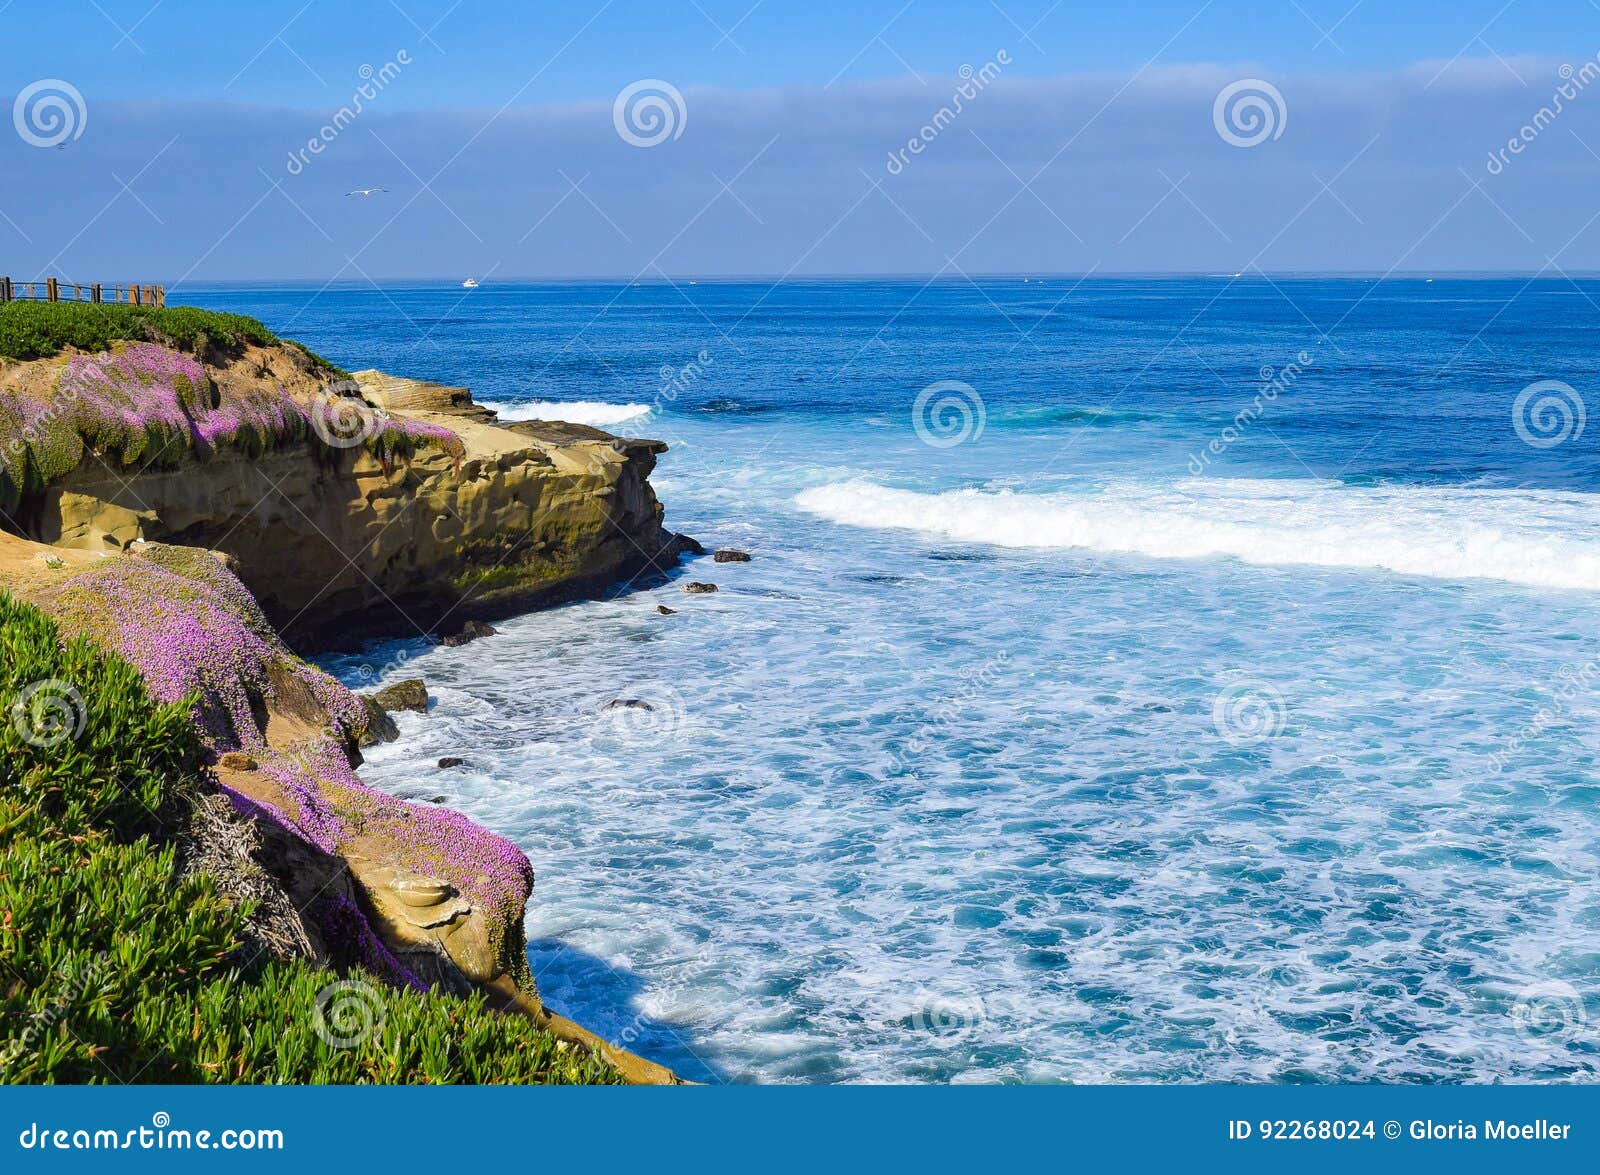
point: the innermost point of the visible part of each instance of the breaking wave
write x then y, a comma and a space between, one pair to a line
1540, 538
590, 412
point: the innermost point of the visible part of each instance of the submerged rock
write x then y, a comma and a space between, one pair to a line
731, 555
470, 631
682, 544
628, 704
450, 761
410, 694
696, 588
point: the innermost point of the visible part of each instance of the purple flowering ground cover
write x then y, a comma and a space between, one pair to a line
146, 405
194, 633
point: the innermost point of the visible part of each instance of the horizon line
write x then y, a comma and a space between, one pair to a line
993, 275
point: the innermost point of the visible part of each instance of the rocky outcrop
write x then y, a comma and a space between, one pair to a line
338, 872
254, 532
339, 545
410, 694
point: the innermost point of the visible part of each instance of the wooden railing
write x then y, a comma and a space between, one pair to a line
52, 290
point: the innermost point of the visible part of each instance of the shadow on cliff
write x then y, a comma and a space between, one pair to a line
603, 998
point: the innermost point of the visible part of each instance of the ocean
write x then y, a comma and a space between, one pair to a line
1135, 680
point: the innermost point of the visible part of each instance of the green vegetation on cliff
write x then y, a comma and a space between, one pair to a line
117, 965
153, 405
37, 330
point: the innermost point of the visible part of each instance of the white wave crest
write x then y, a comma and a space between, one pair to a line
591, 412
1540, 538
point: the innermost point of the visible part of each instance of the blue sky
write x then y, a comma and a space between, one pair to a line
480, 51
1093, 147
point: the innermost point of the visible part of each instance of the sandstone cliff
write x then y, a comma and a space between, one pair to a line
338, 544
251, 528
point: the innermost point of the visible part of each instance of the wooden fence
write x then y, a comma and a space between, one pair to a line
51, 290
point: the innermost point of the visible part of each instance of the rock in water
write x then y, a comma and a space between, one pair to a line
666, 611
628, 704
450, 761
730, 555
380, 727
470, 631
410, 694
695, 588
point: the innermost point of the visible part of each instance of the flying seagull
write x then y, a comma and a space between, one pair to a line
366, 191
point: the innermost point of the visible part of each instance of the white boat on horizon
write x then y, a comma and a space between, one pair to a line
470, 284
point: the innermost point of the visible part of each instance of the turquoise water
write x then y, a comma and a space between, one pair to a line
1072, 746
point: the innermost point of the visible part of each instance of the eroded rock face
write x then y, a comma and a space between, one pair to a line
444, 897
339, 544
470, 631
338, 547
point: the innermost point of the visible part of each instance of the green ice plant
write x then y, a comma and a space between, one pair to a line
145, 405
117, 966
37, 330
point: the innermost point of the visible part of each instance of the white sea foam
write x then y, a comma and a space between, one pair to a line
1539, 538
591, 412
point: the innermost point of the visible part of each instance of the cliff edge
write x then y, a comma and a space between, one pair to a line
340, 539
209, 508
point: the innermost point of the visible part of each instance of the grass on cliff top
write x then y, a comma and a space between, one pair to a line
116, 967
37, 330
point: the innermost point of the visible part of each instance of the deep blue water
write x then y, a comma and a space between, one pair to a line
1200, 689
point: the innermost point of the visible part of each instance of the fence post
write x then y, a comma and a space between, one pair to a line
94, 292
5, 289
161, 296
52, 290
133, 295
